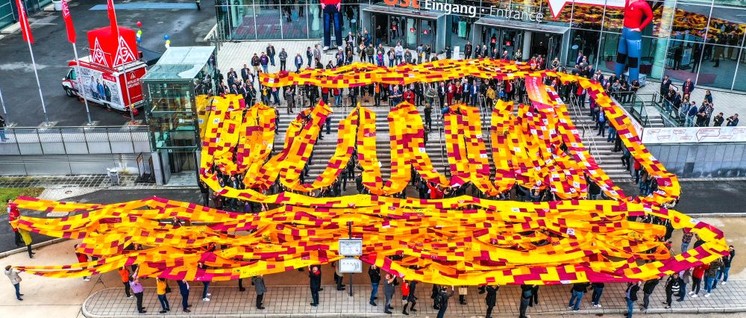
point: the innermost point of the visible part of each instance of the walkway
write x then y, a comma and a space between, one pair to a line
293, 301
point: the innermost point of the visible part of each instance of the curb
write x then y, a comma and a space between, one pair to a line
23, 249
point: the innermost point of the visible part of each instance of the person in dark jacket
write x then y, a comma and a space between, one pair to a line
443, 296
260, 288
647, 290
630, 296
526, 295
375, 278
490, 299
673, 287
315, 282
726, 265
598, 290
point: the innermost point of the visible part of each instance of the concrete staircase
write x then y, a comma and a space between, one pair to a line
600, 149
324, 149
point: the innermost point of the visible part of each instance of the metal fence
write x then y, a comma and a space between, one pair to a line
23, 141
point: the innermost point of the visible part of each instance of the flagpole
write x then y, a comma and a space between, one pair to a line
81, 89
41, 96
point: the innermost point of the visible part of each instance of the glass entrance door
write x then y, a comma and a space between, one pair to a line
546, 45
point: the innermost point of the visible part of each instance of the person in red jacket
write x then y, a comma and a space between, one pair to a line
408, 95
14, 214
637, 16
697, 274
332, 12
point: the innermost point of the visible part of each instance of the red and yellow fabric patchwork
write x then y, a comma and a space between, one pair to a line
455, 241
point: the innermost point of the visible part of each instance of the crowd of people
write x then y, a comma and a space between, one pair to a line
677, 103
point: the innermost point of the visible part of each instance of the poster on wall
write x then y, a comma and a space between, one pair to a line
693, 135
99, 86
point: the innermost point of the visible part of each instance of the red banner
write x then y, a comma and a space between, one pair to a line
23, 20
113, 19
68, 22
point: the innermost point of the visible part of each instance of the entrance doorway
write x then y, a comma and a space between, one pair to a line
530, 39
502, 39
410, 31
546, 45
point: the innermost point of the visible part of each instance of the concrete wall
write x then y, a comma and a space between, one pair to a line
67, 164
702, 160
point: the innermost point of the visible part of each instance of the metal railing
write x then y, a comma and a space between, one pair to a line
578, 113
75, 140
669, 114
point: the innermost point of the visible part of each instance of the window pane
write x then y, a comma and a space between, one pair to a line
268, 22
587, 16
717, 70
294, 26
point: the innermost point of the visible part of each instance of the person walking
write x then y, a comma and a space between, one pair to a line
578, 291
673, 287
15, 279
490, 298
389, 284
137, 288
647, 290
442, 298
184, 291
314, 276
598, 290
2, 130
630, 296
375, 279
411, 298
124, 274
160, 289
260, 288
526, 295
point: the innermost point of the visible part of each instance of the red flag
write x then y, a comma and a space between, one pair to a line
25, 27
113, 19
68, 22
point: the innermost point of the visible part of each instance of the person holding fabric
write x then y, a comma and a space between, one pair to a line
184, 291
15, 279
14, 214
630, 296
637, 16
260, 288
160, 288
137, 288
375, 279
490, 299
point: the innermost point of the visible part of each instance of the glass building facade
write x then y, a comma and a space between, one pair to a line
698, 39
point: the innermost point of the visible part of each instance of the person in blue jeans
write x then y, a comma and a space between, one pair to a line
726, 264
578, 291
332, 14
630, 296
710, 276
375, 278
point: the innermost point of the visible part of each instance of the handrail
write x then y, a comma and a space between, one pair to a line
578, 113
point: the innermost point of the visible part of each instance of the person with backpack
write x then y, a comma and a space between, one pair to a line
630, 296
442, 299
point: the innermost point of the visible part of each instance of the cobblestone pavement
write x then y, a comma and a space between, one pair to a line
293, 301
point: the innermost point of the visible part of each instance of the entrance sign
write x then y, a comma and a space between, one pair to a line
472, 11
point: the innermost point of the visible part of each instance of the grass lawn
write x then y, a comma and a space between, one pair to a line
12, 193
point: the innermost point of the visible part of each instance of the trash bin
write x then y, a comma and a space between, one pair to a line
57, 5
113, 175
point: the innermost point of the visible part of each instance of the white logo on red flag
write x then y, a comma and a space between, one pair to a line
99, 57
124, 53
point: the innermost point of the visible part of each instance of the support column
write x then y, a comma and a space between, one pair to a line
526, 53
664, 33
